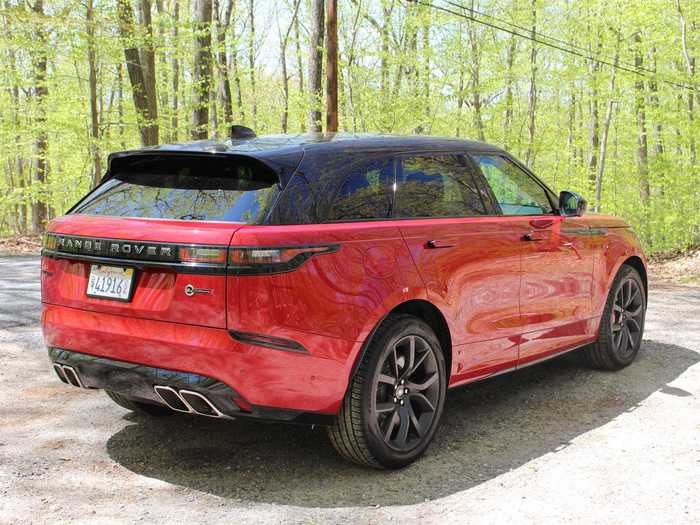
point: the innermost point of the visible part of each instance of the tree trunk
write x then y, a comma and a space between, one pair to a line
690, 67
426, 77
251, 64
594, 128
460, 80
148, 125
94, 116
41, 91
17, 164
120, 106
413, 71
300, 66
315, 63
654, 100
384, 32
508, 118
148, 61
606, 130
331, 65
202, 69
175, 72
475, 53
163, 101
689, 62
642, 152
237, 81
570, 138
222, 26
532, 95
283, 57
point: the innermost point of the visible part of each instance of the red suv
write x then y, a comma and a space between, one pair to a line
339, 280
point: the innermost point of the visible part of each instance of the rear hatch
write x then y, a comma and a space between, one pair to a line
152, 240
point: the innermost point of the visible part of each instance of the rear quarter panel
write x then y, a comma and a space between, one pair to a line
339, 295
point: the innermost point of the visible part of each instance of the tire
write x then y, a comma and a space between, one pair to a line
394, 403
622, 323
139, 407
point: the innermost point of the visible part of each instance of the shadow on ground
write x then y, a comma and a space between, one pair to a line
488, 429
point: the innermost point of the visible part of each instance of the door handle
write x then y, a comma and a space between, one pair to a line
534, 236
434, 244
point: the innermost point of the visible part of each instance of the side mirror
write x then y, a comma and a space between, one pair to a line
572, 204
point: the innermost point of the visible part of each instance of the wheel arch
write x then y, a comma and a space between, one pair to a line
427, 312
637, 263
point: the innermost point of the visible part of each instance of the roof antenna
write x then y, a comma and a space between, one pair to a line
241, 132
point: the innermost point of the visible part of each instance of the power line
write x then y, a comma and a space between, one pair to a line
526, 29
607, 62
529, 32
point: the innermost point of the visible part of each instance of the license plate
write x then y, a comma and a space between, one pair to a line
110, 282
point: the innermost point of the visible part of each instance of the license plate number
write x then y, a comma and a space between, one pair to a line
110, 282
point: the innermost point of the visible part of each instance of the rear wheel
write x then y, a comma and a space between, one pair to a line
396, 399
622, 324
139, 406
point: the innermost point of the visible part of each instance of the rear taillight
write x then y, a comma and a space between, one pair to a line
199, 254
49, 241
263, 260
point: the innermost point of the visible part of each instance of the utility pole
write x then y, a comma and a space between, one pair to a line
332, 65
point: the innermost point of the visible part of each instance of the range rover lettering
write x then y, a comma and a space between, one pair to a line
338, 280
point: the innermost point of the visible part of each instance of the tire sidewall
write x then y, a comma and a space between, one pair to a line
627, 272
387, 456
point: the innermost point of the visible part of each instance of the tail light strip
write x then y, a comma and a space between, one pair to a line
256, 260
184, 258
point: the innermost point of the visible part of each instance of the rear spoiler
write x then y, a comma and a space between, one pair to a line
283, 164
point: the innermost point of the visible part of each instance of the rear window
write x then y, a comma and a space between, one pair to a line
189, 188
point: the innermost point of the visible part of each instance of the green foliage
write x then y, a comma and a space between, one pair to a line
403, 69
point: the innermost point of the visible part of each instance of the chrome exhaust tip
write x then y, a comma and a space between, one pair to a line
172, 399
68, 375
188, 401
59, 372
200, 404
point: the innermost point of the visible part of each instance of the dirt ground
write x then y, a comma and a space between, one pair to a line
549, 444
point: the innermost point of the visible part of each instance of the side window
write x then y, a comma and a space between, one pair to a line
516, 192
337, 186
437, 186
364, 194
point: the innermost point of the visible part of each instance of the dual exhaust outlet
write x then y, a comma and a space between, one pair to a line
68, 375
188, 401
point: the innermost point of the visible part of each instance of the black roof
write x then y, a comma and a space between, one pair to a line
282, 152
273, 145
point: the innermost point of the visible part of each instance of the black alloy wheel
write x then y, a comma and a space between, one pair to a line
622, 324
627, 317
395, 399
406, 392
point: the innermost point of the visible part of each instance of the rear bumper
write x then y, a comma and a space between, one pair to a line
130, 356
138, 381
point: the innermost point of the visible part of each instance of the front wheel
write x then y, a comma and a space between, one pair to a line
395, 401
622, 323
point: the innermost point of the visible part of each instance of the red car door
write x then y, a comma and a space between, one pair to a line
468, 258
557, 262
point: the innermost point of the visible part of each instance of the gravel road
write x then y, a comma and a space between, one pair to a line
552, 443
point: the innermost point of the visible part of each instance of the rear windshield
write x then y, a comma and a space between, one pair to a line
192, 188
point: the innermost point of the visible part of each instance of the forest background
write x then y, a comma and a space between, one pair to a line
599, 97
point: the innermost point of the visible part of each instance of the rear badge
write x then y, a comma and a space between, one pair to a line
191, 290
